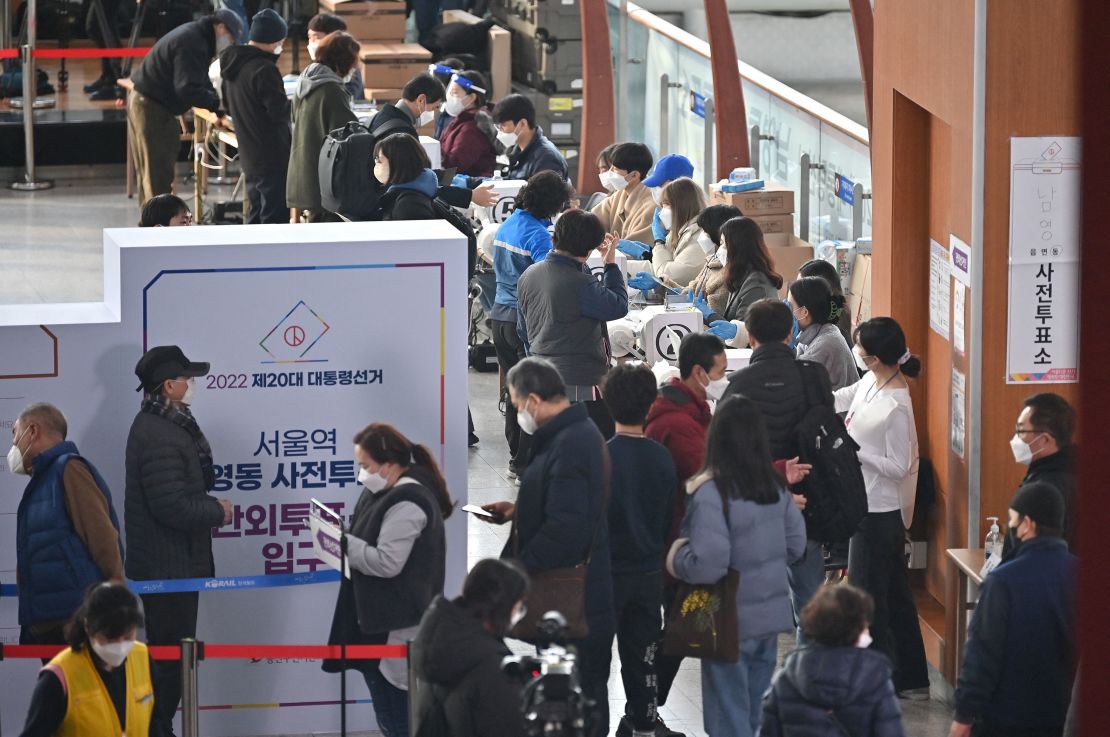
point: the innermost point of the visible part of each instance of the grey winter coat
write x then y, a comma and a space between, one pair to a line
758, 540
168, 514
825, 345
320, 105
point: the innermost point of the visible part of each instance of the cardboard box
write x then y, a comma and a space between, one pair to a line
859, 294
770, 224
370, 20
392, 65
382, 95
774, 199
788, 252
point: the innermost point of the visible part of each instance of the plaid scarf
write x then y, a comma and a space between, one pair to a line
180, 415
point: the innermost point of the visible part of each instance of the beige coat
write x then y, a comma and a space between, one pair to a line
676, 262
711, 281
628, 213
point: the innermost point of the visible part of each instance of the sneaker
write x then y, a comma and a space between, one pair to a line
511, 473
625, 729
662, 730
915, 694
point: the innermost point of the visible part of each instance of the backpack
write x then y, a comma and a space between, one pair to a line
347, 183
836, 498
462, 224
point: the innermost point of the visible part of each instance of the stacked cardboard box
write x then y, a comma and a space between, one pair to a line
788, 252
370, 21
389, 66
772, 207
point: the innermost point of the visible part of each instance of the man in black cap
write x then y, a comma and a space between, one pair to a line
168, 513
171, 79
255, 97
1020, 658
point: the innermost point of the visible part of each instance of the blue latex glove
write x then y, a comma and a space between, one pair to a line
723, 329
459, 180
702, 306
657, 229
633, 249
644, 281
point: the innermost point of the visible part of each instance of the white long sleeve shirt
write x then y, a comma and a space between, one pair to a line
882, 423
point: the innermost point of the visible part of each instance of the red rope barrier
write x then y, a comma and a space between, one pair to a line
9, 53
77, 53
235, 652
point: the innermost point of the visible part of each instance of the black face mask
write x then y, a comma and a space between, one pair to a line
1015, 541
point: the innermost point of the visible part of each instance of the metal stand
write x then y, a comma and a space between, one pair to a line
343, 642
30, 183
189, 703
710, 118
665, 87
754, 147
140, 16
806, 166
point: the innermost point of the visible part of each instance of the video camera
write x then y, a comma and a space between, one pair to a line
553, 702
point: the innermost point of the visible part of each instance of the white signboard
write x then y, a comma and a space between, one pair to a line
959, 326
958, 433
940, 291
312, 332
1043, 327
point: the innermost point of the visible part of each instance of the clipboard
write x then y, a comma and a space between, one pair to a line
327, 530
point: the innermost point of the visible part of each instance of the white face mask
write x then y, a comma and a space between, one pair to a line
860, 362
519, 612
312, 50
15, 459
603, 177
1023, 451
113, 653
381, 172
722, 255
657, 195
707, 244
508, 140
454, 105
613, 181
864, 640
190, 391
715, 389
278, 49
374, 482
526, 420
425, 117
666, 217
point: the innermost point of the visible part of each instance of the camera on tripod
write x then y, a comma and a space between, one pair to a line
553, 702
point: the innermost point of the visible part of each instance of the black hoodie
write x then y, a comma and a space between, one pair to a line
833, 692
455, 653
175, 72
255, 97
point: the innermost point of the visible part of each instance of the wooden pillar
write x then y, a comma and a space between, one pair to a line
864, 21
599, 120
730, 114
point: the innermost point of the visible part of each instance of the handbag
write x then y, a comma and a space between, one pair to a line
703, 621
561, 589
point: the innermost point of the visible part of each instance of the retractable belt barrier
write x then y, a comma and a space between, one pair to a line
231, 652
71, 53
223, 583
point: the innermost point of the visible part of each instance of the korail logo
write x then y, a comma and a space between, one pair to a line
295, 335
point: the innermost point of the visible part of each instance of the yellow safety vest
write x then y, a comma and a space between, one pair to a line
89, 708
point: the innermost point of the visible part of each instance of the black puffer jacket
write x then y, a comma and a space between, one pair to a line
833, 692
255, 97
168, 514
175, 72
772, 380
454, 652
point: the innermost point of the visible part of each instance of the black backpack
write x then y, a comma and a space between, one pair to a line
836, 498
346, 167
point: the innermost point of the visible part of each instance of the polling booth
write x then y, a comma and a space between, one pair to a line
312, 332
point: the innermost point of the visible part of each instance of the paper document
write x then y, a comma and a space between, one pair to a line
326, 536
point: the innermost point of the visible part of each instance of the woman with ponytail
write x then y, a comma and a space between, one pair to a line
880, 419
817, 311
396, 550
459, 651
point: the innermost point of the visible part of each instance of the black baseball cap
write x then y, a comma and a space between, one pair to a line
166, 362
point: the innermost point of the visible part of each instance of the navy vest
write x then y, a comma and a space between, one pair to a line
55, 568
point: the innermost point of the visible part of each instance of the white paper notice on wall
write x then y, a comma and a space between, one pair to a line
1042, 345
959, 425
959, 299
940, 289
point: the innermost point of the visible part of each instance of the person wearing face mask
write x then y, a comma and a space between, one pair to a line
165, 211
320, 105
1019, 662
667, 169
465, 144
678, 259
835, 685
740, 516
629, 208
1043, 441
401, 164
817, 311
750, 277
822, 268
524, 144
558, 520
563, 309
421, 98
168, 513
880, 419
171, 79
67, 534
397, 550
102, 681
255, 96
319, 27
711, 281
459, 649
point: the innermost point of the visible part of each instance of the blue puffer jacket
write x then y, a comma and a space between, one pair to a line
54, 567
833, 692
521, 241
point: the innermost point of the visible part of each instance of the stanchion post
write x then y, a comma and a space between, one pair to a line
664, 114
858, 198
709, 175
803, 206
190, 711
30, 182
342, 642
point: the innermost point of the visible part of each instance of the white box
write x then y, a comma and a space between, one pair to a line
431, 147
662, 331
596, 265
738, 358
499, 212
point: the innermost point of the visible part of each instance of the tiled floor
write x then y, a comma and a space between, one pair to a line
50, 252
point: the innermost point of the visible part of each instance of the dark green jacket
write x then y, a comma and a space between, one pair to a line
320, 105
